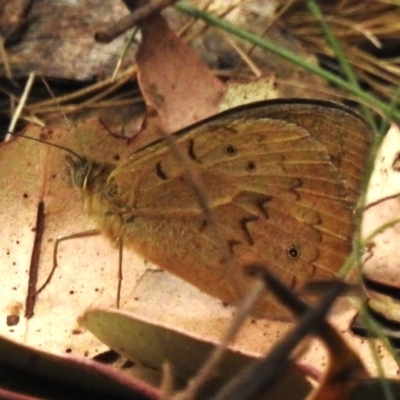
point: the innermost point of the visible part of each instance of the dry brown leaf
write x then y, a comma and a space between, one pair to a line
30, 372
56, 39
172, 78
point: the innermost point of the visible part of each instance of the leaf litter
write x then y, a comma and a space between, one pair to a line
52, 185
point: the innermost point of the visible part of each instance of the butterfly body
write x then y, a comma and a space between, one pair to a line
280, 190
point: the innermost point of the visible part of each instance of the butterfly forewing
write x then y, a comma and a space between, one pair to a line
343, 133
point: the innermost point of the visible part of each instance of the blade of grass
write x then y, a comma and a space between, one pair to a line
340, 55
373, 327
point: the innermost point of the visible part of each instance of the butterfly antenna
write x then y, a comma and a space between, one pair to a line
18, 111
48, 143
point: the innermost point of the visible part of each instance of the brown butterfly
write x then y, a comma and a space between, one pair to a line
280, 180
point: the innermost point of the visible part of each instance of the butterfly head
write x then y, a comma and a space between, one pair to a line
80, 170
86, 174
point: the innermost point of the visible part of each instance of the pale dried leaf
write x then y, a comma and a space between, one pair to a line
151, 344
383, 252
88, 268
240, 93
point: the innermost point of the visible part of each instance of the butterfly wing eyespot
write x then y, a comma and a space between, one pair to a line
251, 166
293, 252
230, 150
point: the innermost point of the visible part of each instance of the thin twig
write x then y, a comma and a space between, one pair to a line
115, 29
